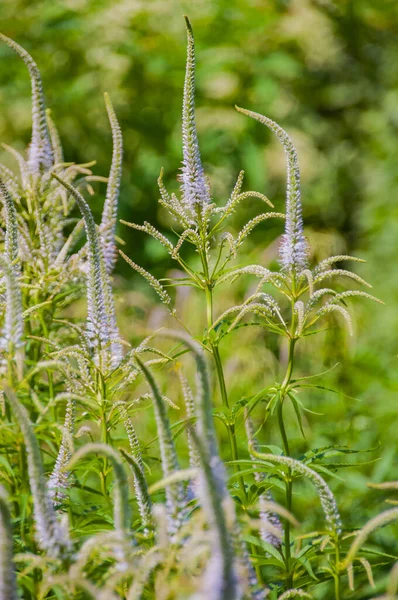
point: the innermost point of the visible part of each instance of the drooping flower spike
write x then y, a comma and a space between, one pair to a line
51, 536
175, 496
102, 329
294, 246
40, 156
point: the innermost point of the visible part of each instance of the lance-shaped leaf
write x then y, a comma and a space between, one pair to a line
109, 213
194, 186
51, 537
101, 318
8, 585
40, 150
294, 246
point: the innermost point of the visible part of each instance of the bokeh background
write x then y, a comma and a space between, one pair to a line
327, 71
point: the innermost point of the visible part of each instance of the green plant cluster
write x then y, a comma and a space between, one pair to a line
113, 488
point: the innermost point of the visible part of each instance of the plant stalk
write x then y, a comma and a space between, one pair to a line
285, 441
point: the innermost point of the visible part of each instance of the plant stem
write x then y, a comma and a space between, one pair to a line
289, 491
337, 573
222, 386
104, 434
224, 396
289, 482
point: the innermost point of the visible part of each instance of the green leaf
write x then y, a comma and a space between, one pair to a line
297, 411
269, 548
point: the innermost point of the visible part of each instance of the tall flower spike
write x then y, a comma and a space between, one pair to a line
11, 236
13, 328
294, 246
8, 585
59, 479
191, 413
55, 139
194, 186
220, 579
51, 537
141, 491
40, 150
101, 319
109, 214
136, 463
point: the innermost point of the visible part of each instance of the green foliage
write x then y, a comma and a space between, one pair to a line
219, 508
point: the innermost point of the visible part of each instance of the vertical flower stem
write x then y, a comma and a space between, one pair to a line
104, 435
224, 398
49, 372
222, 386
285, 441
337, 573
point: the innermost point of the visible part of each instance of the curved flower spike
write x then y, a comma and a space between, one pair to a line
194, 186
55, 139
175, 496
121, 488
101, 318
384, 518
40, 150
109, 214
13, 327
328, 501
294, 247
51, 536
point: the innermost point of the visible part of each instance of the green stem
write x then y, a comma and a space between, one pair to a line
289, 492
223, 387
104, 436
49, 372
289, 482
221, 382
224, 398
337, 572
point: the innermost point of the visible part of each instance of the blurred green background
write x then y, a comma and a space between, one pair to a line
327, 71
